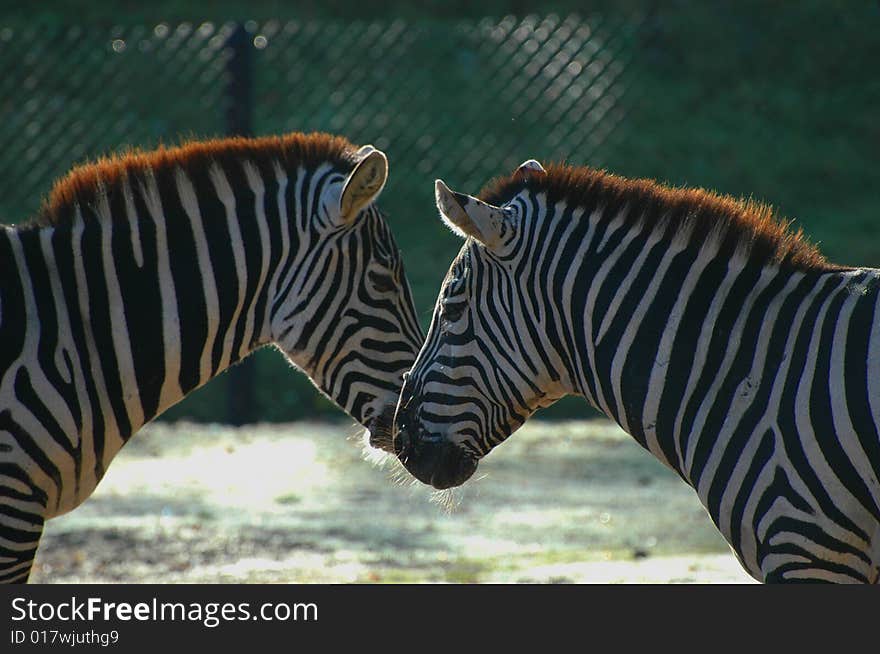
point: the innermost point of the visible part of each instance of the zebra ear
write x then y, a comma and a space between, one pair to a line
468, 216
530, 166
364, 183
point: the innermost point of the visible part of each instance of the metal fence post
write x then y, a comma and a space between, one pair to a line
239, 98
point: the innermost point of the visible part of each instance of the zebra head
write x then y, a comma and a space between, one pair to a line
485, 366
344, 312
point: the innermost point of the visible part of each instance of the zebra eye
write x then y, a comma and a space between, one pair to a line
452, 311
382, 283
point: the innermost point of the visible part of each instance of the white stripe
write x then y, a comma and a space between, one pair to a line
741, 403
22, 414
65, 341
226, 196
843, 499
608, 262
284, 226
874, 356
171, 391
782, 506
298, 209
843, 427
190, 203
259, 189
65, 345
748, 549
310, 211
132, 217
111, 444
659, 371
627, 282
291, 259
701, 353
636, 320
710, 394
562, 315
119, 325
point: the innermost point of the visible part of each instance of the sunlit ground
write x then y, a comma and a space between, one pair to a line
297, 503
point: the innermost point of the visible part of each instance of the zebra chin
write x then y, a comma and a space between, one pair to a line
433, 460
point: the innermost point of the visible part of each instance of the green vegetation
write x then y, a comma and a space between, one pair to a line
777, 101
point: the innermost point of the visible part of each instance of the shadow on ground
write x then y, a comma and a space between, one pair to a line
298, 503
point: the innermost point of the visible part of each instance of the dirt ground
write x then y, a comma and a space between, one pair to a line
571, 502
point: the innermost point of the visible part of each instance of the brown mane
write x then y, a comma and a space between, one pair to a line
744, 225
80, 186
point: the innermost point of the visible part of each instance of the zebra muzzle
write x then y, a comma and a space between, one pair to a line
433, 459
381, 430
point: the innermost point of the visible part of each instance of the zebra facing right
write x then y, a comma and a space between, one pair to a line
725, 344
147, 274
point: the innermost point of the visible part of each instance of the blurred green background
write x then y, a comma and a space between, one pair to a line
777, 101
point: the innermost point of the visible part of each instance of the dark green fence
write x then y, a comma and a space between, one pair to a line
763, 99
464, 100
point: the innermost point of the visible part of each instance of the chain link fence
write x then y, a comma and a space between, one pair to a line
462, 100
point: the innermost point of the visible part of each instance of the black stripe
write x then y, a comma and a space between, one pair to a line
13, 471
681, 358
821, 415
12, 307
590, 264
333, 266
121, 248
812, 532
759, 458
48, 344
245, 203
741, 438
32, 449
496, 330
102, 329
18, 576
222, 257
62, 243
858, 403
291, 222
31, 400
716, 351
189, 289
558, 261
273, 222
788, 409
608, 346
737, 381
24, 516
643, 352
604, 351
142, 302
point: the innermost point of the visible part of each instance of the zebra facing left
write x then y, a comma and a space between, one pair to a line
723, 342
147, 274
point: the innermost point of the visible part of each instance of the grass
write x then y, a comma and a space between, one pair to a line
296, 503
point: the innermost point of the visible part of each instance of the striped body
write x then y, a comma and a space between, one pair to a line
751, 372
154, 273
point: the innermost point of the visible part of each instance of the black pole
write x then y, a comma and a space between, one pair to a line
239, 109
239, 87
